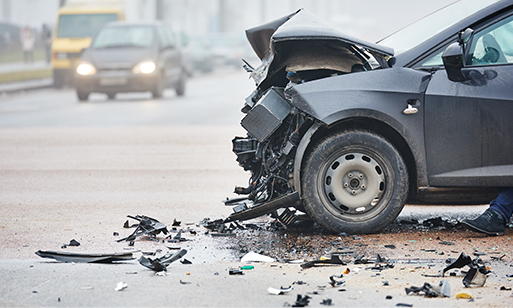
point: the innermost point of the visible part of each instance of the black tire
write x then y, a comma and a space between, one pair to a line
58, 79
180, 87
159, 86
354, 181
82, 95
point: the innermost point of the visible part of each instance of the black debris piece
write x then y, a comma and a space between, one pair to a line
115, 233
497, 258
177, 238
476, 276
385, 283
176, 223
127, 225
334, 282
235, 271
299, 282
388, 297
426, 290
147, 226
334, 259
363, 260
215, 234
184, 282
503, 288
302, 301
73, 242
437, 222
85, 258
477, 254
161, 264
327, 302
446, 243
390, 246
403, 305
185, 261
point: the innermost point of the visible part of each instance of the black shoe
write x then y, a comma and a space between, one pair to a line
490, 222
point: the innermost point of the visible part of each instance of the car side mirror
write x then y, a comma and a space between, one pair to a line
454, 54
453, 62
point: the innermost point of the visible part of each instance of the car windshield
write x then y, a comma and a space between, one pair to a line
125, 36
82, 25
433, 24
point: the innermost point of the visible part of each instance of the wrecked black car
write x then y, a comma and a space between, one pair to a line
349, 131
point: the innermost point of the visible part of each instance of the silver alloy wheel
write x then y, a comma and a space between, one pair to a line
354, 183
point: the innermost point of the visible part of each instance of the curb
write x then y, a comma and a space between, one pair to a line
26, 85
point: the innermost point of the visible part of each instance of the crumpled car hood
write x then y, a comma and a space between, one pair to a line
303, 41
303, 25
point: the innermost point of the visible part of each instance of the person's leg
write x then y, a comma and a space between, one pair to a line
494, 219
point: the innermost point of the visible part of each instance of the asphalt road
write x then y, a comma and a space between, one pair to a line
71, 170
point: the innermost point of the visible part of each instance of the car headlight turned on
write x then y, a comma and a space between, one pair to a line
145, 67
85, 69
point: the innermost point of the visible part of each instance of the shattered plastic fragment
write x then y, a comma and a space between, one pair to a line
121, 286
503, 288
474, 278
327, 302
445, 288
335, 282
255, 257
146, 226
464, 295
73, 242
279, 291
302, 301
185, 261
235, 271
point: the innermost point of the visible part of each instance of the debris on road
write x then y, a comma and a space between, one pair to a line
336, 283
235, 271
161, 264
302, 301
464, 295
256, 257
279, 291
73, 242
476, 276
147, 226
85, 257
121, 286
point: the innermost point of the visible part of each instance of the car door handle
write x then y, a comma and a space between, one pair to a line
412, 107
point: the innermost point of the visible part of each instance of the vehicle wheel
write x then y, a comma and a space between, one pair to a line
58, 79
82, 95
159, 87
354, 182
180, 87
111, 95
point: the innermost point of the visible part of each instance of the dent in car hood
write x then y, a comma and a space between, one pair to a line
303, 25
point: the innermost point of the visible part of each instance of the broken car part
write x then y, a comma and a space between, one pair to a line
256, 257
476, 276
279, 291
161, 264
85, 257
146, 226
73, 242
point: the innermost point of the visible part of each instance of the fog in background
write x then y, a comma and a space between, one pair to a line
367, 19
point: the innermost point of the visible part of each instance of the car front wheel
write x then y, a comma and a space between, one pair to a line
354, 181
82, 95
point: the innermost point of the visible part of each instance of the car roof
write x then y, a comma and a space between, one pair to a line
409, 56
134, 23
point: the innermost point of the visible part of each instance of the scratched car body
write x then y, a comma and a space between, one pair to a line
349, 131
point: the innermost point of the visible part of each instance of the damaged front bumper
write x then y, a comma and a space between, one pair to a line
274, 128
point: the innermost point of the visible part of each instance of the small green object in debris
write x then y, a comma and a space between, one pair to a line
248, 267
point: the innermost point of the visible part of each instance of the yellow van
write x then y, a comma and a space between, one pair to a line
77, 22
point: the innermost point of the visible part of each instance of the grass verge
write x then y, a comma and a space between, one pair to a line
25, 75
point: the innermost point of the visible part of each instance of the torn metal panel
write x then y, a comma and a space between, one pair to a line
85, 257
161, 264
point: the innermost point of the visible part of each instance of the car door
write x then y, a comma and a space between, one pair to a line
469, 124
